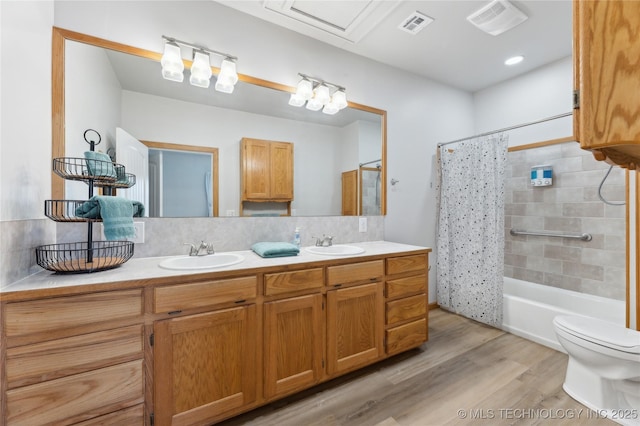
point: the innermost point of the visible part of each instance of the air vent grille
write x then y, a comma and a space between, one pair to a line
497, 17
415, 23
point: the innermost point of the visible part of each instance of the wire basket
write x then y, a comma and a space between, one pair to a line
69, 211
102, 173
82, 257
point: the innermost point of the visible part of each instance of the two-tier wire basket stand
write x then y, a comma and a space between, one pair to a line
85, 256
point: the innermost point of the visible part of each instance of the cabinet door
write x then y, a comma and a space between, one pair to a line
355, 327
281, 171
293, 344
256, 180
606, 52
204, 365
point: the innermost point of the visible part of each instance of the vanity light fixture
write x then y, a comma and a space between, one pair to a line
316, 94
173, 66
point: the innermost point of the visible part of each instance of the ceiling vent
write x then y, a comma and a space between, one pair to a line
415, 23
497, 17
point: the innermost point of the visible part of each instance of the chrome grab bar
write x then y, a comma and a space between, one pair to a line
583, 237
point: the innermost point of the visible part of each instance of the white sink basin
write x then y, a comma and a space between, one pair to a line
337, 250
210, 261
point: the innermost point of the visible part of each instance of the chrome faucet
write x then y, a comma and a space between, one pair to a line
207, 248
325, 241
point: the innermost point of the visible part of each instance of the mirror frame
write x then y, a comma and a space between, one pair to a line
59, 37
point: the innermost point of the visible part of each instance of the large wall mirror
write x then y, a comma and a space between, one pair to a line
107, 86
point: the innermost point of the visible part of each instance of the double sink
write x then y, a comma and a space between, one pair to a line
219, 260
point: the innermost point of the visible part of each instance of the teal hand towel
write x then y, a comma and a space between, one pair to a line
116, 213
99, 165
275, 249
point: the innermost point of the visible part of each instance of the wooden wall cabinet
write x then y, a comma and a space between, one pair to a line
607, 79
266, 171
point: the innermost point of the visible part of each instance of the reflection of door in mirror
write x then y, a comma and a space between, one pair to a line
370, 189
134, 155
183, 180
350, 193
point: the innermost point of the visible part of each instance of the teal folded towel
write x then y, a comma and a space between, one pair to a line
99, 165
116, 212
275, 249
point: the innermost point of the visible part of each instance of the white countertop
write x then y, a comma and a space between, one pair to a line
147, 268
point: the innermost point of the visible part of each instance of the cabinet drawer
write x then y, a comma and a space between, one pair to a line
354, 272
76, 398
47, 315
133, 416
398, 265
405, 286
286, 282
204, 293
406, 309
63, 357
406, 336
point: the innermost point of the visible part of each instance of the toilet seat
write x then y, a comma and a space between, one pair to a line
600, 332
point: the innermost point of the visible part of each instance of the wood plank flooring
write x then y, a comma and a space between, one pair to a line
467, 373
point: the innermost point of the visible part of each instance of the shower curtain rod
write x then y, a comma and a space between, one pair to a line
566, 114
369, 162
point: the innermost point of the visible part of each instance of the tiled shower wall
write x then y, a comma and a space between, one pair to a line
570, 205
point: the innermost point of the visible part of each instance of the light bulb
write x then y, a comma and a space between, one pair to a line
200, 69
339, 98
321, 93
304, 90
227, 77
172, 65
296, 101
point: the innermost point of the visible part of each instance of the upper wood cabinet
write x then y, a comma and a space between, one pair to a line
266, 170
607, 77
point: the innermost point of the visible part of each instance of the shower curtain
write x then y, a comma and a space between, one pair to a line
470, 235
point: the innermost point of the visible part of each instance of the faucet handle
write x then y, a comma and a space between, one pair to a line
210, 249
318, 241
192, 249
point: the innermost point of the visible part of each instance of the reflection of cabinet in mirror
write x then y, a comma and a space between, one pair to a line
266, 173
350, 193
361, 191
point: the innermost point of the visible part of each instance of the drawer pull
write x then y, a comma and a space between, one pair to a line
173, 312
373, 279
337, 285
240, 301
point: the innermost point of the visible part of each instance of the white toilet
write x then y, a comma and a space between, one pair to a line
604, 366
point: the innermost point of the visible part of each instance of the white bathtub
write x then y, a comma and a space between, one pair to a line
529, 309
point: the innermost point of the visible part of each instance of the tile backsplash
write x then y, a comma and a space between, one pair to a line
166, 236
570, 205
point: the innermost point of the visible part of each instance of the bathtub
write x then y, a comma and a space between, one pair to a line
529, 309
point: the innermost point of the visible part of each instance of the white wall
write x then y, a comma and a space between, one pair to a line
542, 93
25, 108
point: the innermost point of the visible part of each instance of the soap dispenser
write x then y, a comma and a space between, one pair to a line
296, 237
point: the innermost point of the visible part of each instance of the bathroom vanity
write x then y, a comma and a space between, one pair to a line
140, 344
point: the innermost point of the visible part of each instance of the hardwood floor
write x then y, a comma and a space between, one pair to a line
468, 373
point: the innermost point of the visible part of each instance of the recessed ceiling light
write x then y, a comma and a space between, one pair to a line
514, 60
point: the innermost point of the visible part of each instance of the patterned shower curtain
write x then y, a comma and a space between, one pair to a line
470, 235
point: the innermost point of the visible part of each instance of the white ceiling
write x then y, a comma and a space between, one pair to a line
449, 50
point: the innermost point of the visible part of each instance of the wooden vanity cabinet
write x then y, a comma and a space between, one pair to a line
204, 364
266, 170
355, 322
406, 303
607, 79
74, 359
